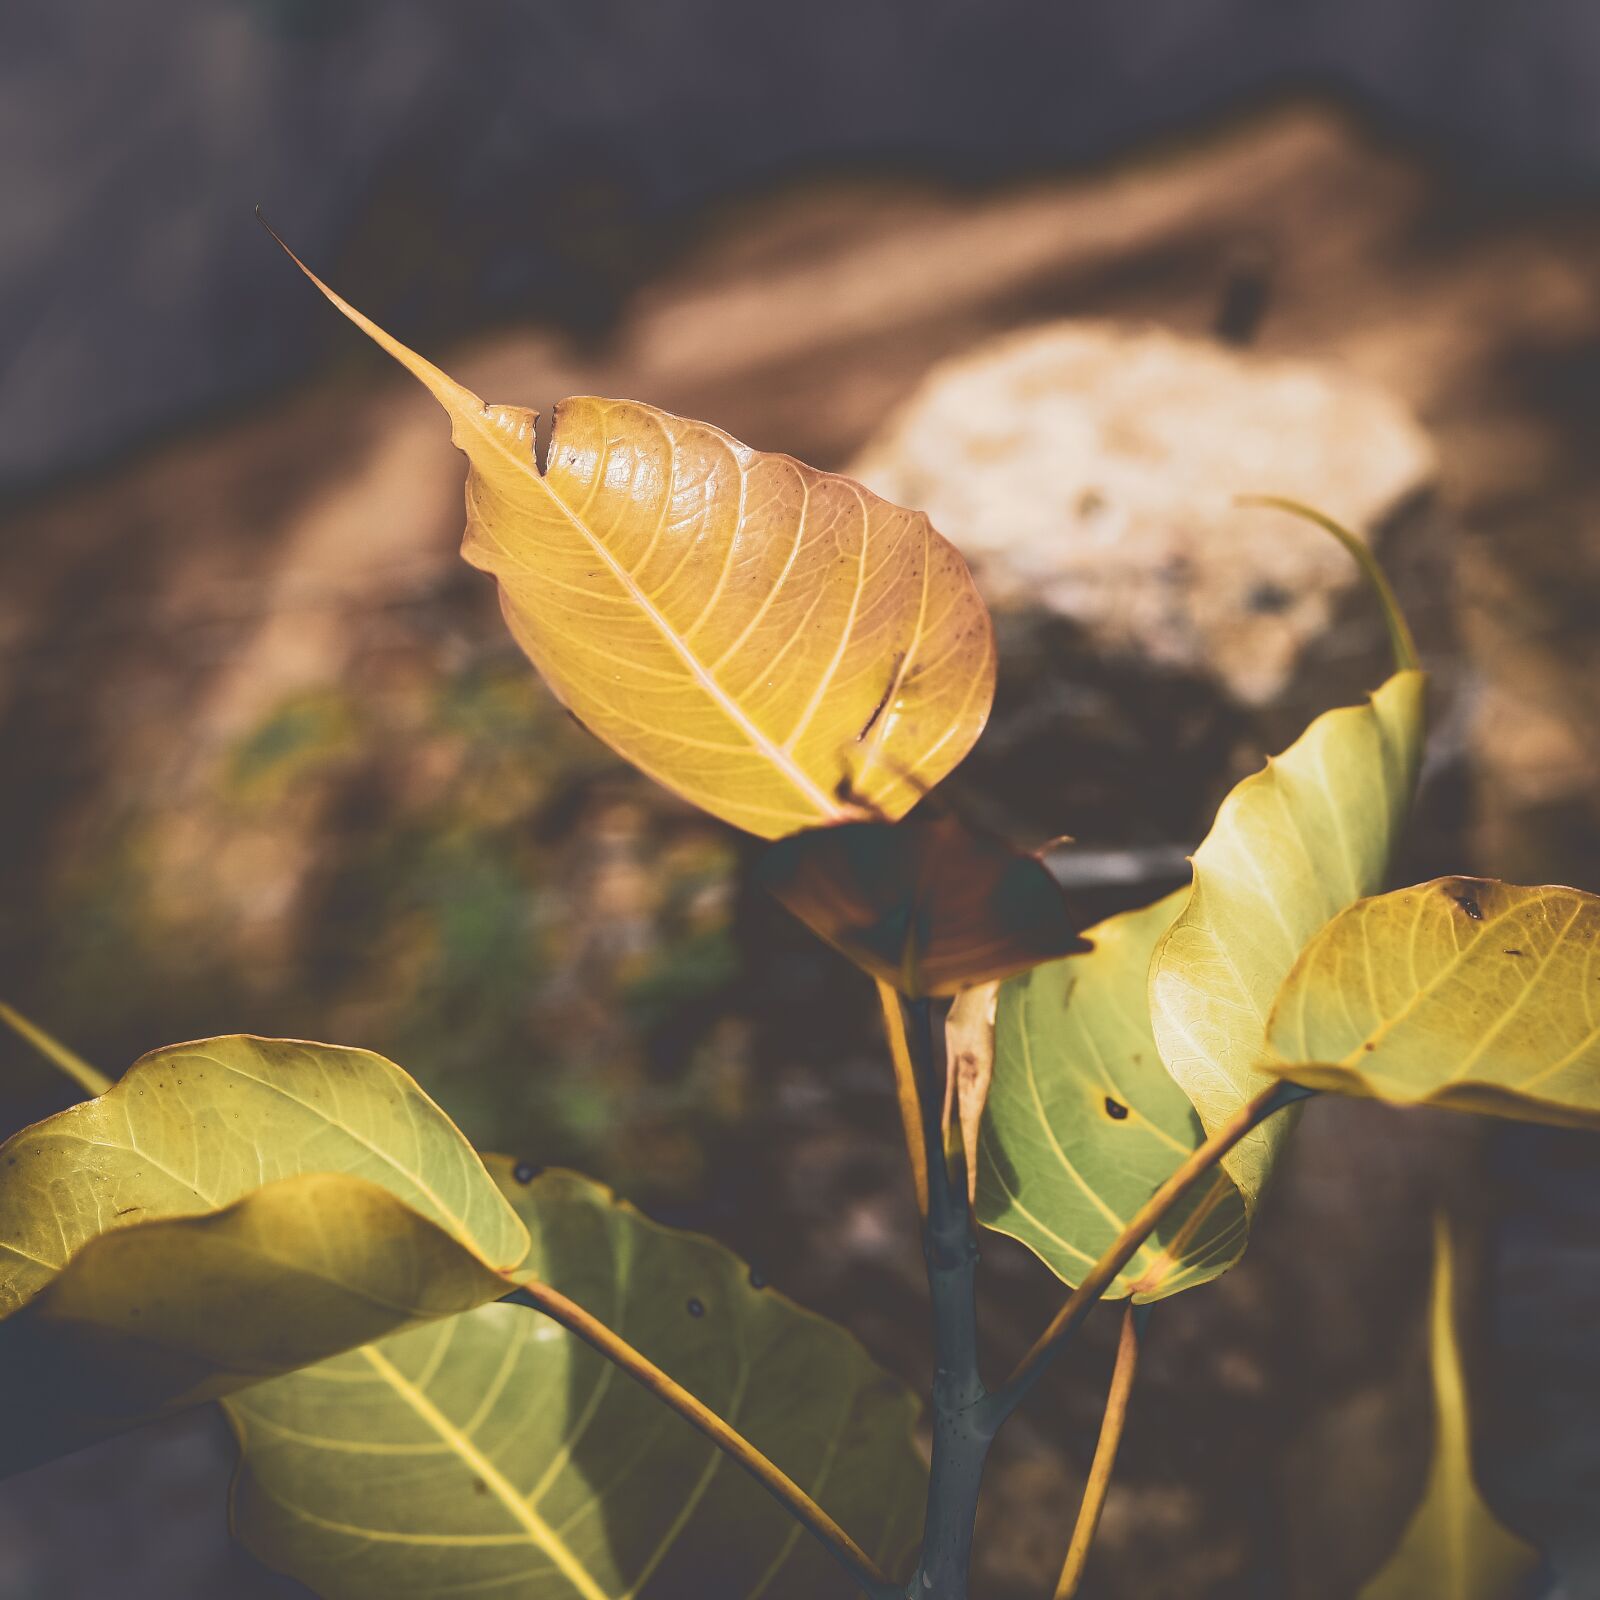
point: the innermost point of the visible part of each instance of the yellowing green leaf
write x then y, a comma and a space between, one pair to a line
228, 1210
1292, 846
1461, 992
775, 643
1453, 1548
497, 1454
1084, 1123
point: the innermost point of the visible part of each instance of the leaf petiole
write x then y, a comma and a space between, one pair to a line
90, 1079
1134, 1319
594, 1333
1145, 1221
905, 1084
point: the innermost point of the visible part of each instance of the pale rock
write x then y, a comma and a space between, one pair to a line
1092, 470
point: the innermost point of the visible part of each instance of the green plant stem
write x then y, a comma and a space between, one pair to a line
1145, 1221
1134, 1319
1400, 636
90, 1079
594, 1333
962, 1433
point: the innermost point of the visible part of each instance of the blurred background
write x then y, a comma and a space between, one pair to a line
1070, 276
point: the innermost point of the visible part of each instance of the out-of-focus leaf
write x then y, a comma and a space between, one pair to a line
927, 905
1454, 1548
498, 1454
1462, 992
1084, 1122
1291, 846
775, 643
969, 1058
230, 1209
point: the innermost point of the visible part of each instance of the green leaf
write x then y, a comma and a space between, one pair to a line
1454, 1548
1462, 992
1084, 1122
1104, 1060
229, 1210
1291, 846
497, 1454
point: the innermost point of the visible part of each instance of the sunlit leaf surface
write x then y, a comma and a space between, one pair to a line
1462, 992
496, 1454
775, 643
1084, 1122
229, 1209
1292, 845
1454, 1548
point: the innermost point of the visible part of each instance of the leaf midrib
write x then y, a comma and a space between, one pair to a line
537, 1530
774, 754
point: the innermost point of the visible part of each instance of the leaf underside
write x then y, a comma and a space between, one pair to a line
1462, 992
495, 1453
1113, 1066
1291, 846
229, 1209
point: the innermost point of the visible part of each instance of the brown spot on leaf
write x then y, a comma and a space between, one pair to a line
883, 699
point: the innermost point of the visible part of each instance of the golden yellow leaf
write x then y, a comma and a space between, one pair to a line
776, 644
1463, 992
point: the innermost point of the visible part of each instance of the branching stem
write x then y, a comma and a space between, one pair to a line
962, 1433
594, 1333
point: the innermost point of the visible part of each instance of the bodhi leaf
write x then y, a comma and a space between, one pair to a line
1291, 846
1103, 1060
1084, 1122
1453, 1548
1461, 992
498, 1454
230, 1209
776, 644
928, 906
